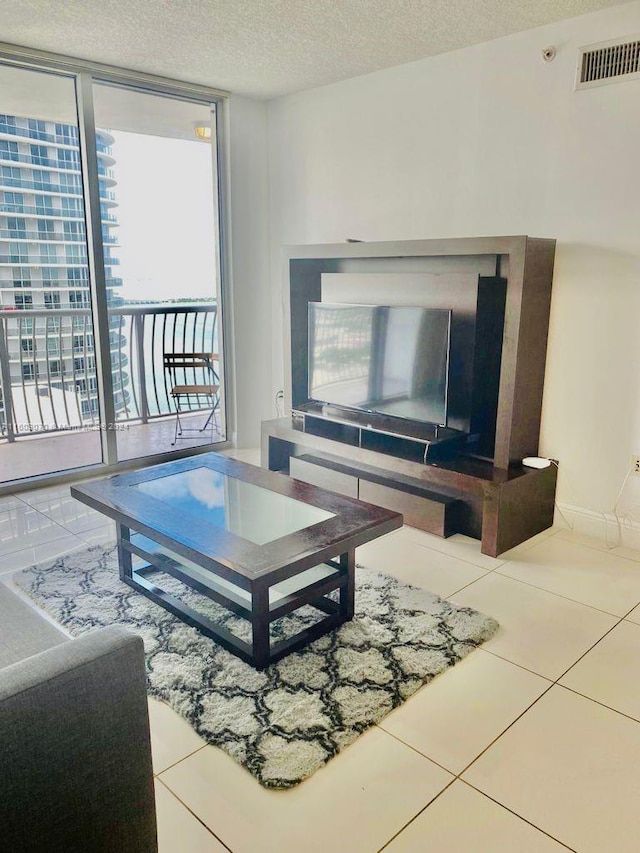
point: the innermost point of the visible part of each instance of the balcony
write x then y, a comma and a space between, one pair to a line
34, 260
70, 138
48, 236
48, 384
46, 212
38, 186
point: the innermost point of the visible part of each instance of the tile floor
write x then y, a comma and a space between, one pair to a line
532, 743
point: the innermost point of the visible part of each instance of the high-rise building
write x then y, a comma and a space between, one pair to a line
44, 275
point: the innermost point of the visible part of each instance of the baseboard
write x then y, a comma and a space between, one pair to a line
604, 526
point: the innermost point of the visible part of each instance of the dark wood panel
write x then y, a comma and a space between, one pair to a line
502, 507
532, 350
420, 507
487, 357
518, 510
326, 478
432, 516
463, 474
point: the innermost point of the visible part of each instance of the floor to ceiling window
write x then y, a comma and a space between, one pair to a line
160, 265
47, 355
109, 265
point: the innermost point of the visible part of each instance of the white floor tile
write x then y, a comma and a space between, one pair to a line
414, 564
463, 547
572, 768
36, 496
462, 820
634, 615
172, 738
359, 801
626, 553
538, 630
456, 716
105, 535
24, 527
17, 560
251, 455
73, 515
178, 830
514, 553
10, 502
587, 575
610, 672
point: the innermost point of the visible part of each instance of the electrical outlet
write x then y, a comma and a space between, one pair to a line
635, 464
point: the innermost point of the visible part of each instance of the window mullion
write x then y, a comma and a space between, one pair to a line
98, 290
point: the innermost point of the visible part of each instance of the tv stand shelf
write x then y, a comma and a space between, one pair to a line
460, 495
384, 434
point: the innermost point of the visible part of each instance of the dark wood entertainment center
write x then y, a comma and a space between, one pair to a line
499, 289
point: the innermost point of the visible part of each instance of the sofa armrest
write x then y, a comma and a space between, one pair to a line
75, 756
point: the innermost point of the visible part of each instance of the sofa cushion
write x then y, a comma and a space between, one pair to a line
23, 632
75, 757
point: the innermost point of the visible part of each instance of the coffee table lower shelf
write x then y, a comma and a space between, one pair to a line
260, 602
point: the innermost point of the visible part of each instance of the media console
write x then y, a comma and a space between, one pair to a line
466, 477
405, 439
459, 495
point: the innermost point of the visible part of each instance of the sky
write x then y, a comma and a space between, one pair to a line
166, 217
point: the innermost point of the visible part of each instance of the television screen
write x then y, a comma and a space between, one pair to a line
377, 358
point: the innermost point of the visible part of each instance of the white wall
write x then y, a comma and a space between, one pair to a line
250, 347
491, 140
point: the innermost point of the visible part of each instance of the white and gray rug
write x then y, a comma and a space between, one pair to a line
283, 723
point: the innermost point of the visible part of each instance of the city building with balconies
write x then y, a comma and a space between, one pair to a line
44, 273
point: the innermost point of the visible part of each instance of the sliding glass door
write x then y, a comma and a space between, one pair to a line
49, 406
109, 266
157, 166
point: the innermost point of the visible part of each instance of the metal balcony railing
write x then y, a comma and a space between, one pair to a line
47, 236
44, 210
38, 186
48, 380
29, 133
61, 190
31, 259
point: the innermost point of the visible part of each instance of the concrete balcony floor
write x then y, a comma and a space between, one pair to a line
32, 455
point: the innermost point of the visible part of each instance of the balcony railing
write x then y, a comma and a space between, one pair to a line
32, 259
39, 186
44, 210
48, 236
29, 133
51, 236
48, 379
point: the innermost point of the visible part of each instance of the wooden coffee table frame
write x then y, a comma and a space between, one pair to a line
146, 530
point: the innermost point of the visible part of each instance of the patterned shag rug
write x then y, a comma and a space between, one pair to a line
285, 722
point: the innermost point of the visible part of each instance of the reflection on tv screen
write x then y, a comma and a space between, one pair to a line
376, 358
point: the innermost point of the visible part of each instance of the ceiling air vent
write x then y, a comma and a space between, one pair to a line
608, 62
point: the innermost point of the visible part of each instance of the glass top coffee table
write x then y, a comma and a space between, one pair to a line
257, 542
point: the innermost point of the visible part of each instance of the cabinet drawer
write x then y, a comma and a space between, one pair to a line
325, 478
430, 515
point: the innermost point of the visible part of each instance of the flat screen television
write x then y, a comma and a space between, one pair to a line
380, 359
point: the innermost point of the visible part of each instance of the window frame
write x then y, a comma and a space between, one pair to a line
85, 74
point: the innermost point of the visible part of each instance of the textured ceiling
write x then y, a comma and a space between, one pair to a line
266, 48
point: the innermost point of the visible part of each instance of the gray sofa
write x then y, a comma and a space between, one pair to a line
75, 756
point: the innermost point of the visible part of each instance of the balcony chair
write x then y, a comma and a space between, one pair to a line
200, 365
